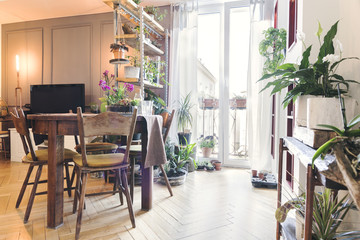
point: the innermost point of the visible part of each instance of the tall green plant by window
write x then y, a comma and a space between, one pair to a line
272, 48
184, 115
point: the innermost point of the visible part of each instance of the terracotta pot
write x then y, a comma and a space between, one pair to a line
217, 165
261, 175
119, 53
206, 151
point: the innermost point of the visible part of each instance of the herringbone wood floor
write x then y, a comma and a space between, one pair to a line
210, 205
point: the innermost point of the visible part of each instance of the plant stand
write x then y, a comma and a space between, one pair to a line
313, 178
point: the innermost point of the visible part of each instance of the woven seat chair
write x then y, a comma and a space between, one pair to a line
108, 123
35, 158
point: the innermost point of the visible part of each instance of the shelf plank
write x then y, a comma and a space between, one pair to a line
134, 9
136, 81
133, 39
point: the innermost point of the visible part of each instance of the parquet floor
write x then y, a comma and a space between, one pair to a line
210, 205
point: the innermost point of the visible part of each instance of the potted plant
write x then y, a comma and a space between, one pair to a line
329, 212
116, 98
154, 70
210, 103
133, 71
137, 1
159, 104
184, 119
118, 50
346, 147
317, 79
207, 145
238, 102
175, 166
154, 12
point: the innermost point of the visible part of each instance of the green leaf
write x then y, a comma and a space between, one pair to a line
354, 121
305, 58
327, 47
341, 60
323, 149
335, 129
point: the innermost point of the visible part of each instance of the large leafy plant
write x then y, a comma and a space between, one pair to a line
318, 78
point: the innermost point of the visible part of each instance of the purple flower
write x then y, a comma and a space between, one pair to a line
114, 90
105, 74
129, 87
105, 87
112, 75
102, 82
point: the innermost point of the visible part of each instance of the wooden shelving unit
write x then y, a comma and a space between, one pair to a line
131, 13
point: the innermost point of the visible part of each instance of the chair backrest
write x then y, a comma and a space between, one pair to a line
107, 123
167, 120
19, 120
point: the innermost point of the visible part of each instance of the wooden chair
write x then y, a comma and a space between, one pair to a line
108, 123
3, 136
135, 152
36, 158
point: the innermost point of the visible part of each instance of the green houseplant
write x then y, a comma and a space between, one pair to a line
155, 11
272, 48
328, 213
133, 71
175, 166
318, 78
154, 70
313, 79
207, 145
346, 147
184, 118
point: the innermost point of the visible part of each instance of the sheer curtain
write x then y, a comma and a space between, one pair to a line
183, 58
258, 104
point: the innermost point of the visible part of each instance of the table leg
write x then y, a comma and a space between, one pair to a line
55, 202
147, 176
310, 186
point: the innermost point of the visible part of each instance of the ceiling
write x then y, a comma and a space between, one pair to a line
28, 10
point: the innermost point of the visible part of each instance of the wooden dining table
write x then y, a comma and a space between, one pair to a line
56, 125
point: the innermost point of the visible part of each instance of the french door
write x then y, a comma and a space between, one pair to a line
223, 47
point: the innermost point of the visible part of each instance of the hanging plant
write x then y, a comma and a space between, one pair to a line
272, 47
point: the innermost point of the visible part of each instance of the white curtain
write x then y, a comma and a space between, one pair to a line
183, 59
258, 104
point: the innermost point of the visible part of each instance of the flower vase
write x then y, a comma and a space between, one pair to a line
120, 108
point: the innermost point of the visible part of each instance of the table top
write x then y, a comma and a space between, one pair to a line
65, 116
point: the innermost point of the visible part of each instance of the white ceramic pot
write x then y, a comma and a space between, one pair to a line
323, 110
301, 110
132, 72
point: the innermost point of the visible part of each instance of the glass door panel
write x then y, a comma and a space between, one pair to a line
208, 82
238, 54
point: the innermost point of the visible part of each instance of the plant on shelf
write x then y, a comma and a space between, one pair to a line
116, 97
118, 50
318, 78
137, 1
155, 11
159, 105
346, 147
328, 214
133, 71
154, 70
184, 118
207, 145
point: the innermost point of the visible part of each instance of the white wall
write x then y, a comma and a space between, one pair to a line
0, 57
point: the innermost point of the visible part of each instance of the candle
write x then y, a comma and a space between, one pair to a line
17, 63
